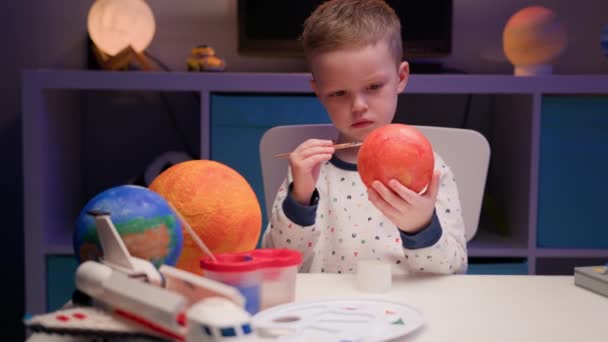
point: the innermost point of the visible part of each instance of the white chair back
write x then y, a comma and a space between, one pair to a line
465, 151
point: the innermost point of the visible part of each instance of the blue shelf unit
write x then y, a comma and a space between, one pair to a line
572, 186
502, 266
238, 122
59, 280
533, 120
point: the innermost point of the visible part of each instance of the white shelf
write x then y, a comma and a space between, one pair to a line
571, 253
51, 159
488, 244
299, 82
59, 249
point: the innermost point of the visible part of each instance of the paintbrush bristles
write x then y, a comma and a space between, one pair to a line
336, 146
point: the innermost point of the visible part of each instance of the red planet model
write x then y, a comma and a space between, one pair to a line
396, 151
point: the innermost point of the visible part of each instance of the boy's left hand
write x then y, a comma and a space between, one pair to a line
409, 211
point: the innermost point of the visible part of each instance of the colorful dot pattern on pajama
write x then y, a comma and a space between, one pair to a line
346, 227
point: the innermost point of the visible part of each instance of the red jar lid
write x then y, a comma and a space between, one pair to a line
252, 260
271, 257
230, 262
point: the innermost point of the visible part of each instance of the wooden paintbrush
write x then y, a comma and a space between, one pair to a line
336, 146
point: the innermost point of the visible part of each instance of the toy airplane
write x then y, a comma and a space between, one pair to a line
132, 298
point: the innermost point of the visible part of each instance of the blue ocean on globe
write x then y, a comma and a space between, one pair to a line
145, 221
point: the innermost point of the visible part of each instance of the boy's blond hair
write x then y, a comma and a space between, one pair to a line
338, 24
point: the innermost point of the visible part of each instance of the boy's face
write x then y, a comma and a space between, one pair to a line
358, 87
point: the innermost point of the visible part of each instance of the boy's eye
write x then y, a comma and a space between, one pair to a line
337, 93
375, 86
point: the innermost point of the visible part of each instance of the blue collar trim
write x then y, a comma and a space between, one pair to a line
340, 164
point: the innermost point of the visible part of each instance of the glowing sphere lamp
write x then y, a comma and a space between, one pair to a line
121, 30
532, 39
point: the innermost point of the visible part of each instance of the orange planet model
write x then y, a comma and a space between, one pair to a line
217, 202
396, 151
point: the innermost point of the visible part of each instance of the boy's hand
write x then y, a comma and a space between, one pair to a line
305, 162
409, 211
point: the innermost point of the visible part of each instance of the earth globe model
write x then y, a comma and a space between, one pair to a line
144, 220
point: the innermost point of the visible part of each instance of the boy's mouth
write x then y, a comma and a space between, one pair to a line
361, 123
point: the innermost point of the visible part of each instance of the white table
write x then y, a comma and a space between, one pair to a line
473, 308
469, 308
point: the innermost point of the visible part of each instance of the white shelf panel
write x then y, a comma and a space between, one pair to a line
571, 253
299, 82
51, 165
59, 249
485, 240
498, 252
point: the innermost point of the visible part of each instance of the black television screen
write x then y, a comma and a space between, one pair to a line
272, 27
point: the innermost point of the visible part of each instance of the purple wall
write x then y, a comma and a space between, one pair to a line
51, 34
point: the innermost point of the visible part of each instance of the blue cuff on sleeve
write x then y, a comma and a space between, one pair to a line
301, 214
426, 237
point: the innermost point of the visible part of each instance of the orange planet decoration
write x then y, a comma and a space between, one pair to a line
217, 202
396, 151
532, 38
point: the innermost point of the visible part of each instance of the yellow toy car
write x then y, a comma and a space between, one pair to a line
203, 58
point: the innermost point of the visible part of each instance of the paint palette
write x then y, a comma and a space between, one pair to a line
338, 320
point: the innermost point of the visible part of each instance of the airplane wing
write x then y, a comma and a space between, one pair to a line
89, 323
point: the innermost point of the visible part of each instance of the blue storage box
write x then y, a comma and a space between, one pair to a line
238, 122
504, 266
572, 186
60, 285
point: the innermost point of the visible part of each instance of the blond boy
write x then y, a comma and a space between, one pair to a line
322, 209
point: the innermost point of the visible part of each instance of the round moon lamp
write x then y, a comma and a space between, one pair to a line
532, 38
121, 30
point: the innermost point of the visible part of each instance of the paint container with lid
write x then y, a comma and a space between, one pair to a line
265, 277
279, 270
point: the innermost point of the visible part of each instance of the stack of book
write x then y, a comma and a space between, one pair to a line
593, 278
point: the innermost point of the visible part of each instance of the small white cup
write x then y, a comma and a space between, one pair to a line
374, 276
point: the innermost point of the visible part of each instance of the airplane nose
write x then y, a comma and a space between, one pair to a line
90, 276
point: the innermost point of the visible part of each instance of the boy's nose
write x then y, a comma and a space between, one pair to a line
359, 104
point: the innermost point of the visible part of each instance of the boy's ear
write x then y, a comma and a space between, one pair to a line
313, 85
404, 74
